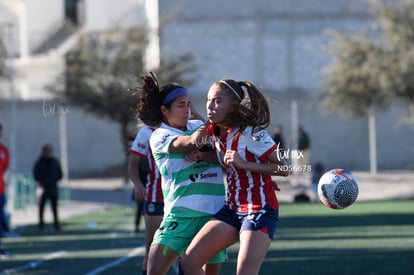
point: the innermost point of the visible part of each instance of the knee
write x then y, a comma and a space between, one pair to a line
156, 267
248, 267
188, 265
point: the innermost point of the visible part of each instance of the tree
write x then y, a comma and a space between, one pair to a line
366, 73
103, 71
396, 22
3, 59
352, 84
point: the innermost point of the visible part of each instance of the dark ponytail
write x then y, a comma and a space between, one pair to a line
149, 103
151, 98
250, 107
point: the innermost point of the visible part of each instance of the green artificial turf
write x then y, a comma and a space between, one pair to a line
366, 238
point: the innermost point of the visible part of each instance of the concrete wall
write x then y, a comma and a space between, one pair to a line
340, 141
44, 17
280, 46
277, 44
33, 20
93, 143
106, 14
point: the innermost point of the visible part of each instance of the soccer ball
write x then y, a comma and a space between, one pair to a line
338, 189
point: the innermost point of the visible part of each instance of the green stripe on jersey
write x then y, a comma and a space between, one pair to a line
197, 171
200, 188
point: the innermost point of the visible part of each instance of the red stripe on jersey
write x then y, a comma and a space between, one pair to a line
4, 165
154, 191
141, 148
137, 153
238, 180
263, 158
248, 191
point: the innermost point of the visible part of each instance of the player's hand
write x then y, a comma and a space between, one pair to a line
233, 158
199, 137
194, 155
139, 192
275, 185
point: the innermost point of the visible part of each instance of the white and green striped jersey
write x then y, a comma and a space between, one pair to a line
190, 189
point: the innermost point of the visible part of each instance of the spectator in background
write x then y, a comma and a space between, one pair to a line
303, 146
47, 172
4, 165
278, 137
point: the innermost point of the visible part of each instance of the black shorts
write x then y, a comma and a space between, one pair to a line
265, 220
153, 208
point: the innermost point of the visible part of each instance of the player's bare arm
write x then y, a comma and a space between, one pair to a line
271, 168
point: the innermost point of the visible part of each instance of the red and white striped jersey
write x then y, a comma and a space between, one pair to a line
4, 164
247, 191
141, 147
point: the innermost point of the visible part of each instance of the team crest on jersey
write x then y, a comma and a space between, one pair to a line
151, 208
141, 145
259, 136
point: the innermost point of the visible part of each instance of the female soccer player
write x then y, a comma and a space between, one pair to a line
193, 191
141, 156
238, 114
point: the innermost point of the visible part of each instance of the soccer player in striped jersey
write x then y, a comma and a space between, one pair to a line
238, 115
193, 190
4, 165
141, 156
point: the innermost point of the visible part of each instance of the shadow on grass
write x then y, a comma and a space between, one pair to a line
350, 220
333, 261
88, 241
308, 243
339, 244
84, 250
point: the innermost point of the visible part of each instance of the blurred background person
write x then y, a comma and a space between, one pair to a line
278, 137
47, 172
4, 165
304, 147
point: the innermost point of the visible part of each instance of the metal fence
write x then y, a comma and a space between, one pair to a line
21, 192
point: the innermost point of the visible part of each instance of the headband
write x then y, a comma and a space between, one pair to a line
231, 88
174, 94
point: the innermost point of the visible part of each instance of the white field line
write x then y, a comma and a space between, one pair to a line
34, 264
132, 253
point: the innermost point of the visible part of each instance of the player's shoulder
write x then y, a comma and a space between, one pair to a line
147, 129
143, 133
162, 134
164, 128
259, 136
